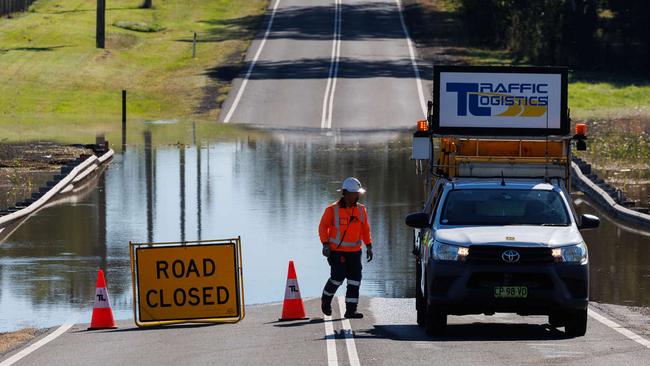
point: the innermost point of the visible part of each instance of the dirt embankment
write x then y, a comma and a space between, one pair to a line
24, 167
12, 340
619, 152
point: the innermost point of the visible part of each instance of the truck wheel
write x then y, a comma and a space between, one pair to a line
436, 321
420, 301
556, 319
576, 323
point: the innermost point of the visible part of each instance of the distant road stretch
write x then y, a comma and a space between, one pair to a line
340, 64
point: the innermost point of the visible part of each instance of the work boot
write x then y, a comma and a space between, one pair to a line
352, 314
326, 307
351, 311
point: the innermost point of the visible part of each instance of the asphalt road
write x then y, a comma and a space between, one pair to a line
387, 335
319, 64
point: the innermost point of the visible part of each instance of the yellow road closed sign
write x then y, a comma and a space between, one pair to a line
197, 281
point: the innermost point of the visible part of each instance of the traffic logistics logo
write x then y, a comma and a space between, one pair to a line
490, 99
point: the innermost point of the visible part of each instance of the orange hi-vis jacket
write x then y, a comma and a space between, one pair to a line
351, 221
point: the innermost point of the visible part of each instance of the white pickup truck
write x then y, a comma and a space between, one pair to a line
498, 231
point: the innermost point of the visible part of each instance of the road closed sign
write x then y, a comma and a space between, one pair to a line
187, 282
491, 100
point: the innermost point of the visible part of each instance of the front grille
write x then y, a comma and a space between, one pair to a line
490, 279
488, 254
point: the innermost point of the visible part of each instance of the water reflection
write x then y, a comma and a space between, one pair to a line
619, 260
271, 190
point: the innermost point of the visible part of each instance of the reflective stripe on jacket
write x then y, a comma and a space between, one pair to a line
351, 221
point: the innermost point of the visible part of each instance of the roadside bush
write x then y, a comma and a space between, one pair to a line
578, 33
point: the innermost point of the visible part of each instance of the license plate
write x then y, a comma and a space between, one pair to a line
511, 291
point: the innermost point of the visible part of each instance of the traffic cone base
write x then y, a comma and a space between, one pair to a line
102, 313
102, 319
293, 308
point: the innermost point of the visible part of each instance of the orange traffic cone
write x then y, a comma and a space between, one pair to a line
293, 307
102, 312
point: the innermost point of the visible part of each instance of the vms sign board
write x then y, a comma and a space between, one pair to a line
498, 101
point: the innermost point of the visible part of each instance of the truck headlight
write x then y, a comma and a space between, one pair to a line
448, 252
571, 254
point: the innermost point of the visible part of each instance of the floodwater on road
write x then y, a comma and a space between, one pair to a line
270, 189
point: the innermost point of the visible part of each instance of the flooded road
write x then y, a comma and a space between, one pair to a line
271, 190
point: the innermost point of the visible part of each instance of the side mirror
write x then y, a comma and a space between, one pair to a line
589, 222
418, 220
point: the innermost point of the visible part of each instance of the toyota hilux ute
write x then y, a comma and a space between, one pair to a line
498, 231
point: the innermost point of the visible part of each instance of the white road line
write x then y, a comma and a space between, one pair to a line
423, 103
626, 332
336, 68
323, 121
50, 337
328, 99
330, 339
252, 65
349, 337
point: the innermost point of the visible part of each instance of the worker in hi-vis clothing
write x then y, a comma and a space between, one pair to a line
343, 228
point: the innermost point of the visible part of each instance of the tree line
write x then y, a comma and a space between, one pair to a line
13, 6
586, 34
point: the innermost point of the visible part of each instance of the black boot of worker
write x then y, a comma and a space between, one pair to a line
326, 306
351, 313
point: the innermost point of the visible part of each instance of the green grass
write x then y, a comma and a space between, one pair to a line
54, 78
610, 100
616, 149
620, 143
71, 131
138, 26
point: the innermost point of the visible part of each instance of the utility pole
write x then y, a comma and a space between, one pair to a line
123, 120
101, 23
148, 4
194, 46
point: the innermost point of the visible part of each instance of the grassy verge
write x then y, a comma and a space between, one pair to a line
625, 147
592, 95
54, 79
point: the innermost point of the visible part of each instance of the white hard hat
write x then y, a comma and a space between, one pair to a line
352, 184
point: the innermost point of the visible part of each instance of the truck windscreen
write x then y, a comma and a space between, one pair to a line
504, 207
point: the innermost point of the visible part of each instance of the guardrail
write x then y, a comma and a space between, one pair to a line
65, 185
601, 197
